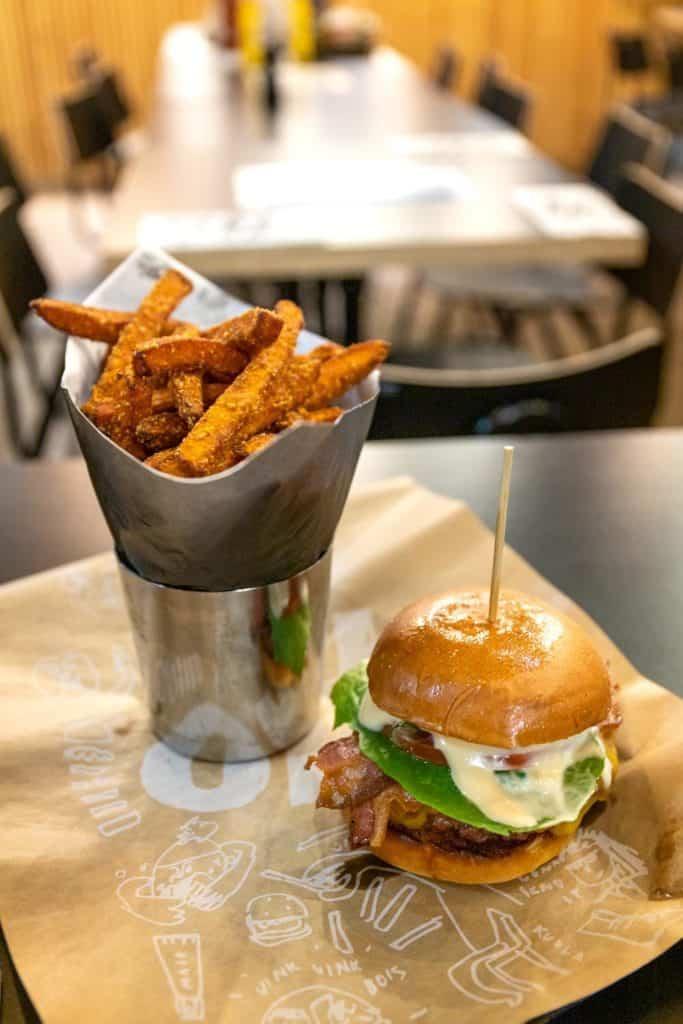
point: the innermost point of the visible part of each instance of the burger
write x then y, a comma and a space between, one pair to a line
477, 746
276, 917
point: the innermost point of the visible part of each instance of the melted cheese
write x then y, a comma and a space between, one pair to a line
519, 799
537, 793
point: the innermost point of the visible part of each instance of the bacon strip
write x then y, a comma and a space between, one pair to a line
350, 778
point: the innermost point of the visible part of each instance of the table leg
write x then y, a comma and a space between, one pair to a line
352, 287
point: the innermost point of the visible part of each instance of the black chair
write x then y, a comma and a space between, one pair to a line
91, 138
629, 53
489, 71
614, 386
446, 69
90, 133
9, 178
659, 206
507, 101
626, 137
673, 163
674, 63
511, 293
21, 279
112, 100
95, 161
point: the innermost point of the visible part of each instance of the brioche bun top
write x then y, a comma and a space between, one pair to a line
533, 676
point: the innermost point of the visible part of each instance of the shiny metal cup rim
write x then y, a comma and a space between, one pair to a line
123, 565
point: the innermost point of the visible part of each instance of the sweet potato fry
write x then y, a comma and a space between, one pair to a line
160, 431
327, 415
167, 462
246, 408
163, 397
187, 352
249, 332
342, 372
189, 396
295, 384
256, 443
325, 351
87, 322
212, 389
110, 406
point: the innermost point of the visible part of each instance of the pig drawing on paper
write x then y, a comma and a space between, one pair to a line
194, 873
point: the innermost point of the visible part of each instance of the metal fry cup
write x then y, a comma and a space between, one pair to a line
231, 675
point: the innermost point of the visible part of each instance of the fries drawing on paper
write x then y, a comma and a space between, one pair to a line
401, 910
191, 402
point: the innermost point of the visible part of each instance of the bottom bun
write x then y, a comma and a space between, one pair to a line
428, 860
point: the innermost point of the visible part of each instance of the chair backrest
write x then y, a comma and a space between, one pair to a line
613, 386
8, 174
674, 61
629, 53
488, 75
673, 161
21, 276
89, 131
502, 98
112, 101
659, 206
627, 137
446, 68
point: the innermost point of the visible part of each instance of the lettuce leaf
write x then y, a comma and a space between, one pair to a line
432, 784
347, 693
290, 635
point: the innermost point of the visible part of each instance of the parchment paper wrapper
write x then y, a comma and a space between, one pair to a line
137, 886
266, 519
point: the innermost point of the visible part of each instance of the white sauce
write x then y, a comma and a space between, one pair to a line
372, 717
522, 802
514, 801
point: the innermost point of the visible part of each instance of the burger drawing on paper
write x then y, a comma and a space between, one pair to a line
478, 746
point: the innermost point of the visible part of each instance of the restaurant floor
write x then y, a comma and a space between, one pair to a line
73, 269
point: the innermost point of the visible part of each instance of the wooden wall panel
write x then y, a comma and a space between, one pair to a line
558, 48
37, 39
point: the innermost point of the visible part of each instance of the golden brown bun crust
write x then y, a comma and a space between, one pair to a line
431, 862
531, 677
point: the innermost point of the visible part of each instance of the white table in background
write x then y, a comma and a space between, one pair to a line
208, 122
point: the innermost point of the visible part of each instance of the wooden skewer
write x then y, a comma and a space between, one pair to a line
501, 522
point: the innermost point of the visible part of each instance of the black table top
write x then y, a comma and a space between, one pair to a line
598, 514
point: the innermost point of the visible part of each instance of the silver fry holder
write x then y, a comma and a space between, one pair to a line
267, 521
231, 675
